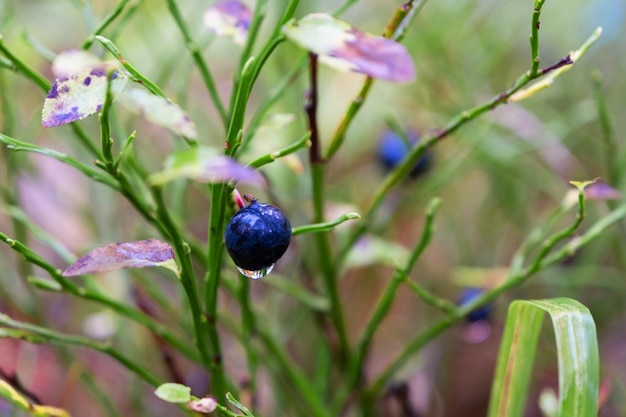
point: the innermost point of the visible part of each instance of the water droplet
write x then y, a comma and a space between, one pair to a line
256, 274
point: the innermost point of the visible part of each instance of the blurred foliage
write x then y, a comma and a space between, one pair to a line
498, 177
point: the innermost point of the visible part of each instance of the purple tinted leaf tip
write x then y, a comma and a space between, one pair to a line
138, 254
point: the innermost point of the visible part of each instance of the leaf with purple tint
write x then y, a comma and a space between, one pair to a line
72, 61
346, 48
159, 110
602, 191
79, 95
206, 165
229, 18
139, 254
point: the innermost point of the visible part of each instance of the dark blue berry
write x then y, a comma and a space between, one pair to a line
481, 313
392, 149
257, 236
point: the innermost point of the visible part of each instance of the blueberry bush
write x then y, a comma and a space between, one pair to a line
311, 208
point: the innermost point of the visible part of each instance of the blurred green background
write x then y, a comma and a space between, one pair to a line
498, 177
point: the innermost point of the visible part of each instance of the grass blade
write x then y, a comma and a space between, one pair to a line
577, 350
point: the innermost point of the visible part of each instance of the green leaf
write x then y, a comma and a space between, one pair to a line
206, 165
173, 393
346, 48
578, 361
159, 111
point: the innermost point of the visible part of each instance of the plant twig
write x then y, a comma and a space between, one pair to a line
106, 22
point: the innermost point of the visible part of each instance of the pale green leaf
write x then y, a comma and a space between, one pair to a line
159, 111
577, 350
173, 393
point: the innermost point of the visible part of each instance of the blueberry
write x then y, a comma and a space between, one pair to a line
392, 149
481, 313
256, 237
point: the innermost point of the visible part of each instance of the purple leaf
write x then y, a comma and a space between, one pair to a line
139, 254
79, 95
229, 18
206, 165
602, 191
346, 48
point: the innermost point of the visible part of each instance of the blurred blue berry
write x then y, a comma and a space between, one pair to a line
481, 313
257, 236
392, 149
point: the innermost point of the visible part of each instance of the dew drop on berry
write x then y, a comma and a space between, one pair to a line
256, 274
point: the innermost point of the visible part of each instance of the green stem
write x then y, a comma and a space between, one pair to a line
23, 68
515, 279
213, 275
324, 226
534, 38
93, 295
134, 72
51, 336
386, 300
608, 132
395, 29
314, 404
271, 157
105, 130
205, 73
188, 281
249, 331
106, 22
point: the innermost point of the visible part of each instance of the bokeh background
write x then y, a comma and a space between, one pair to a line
498, 177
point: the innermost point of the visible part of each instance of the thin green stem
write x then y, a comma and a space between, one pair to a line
271, 157
414, 155
255, 24
98, 297
50, 336
608, 132
249, 330
25, 69
136, 75
324, 226
213, 275
314, 404
105, 129
106, 22
534, 38
387, 298
328, 271
205, 73
45, 85
188, 281
395, 29
515, 279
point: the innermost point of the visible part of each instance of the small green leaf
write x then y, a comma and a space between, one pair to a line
581, 185
139, 254
174, 393
79, 96
577, 349
346, 48
159, 111
205, 165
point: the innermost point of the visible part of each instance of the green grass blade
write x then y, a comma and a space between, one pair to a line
577, 350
